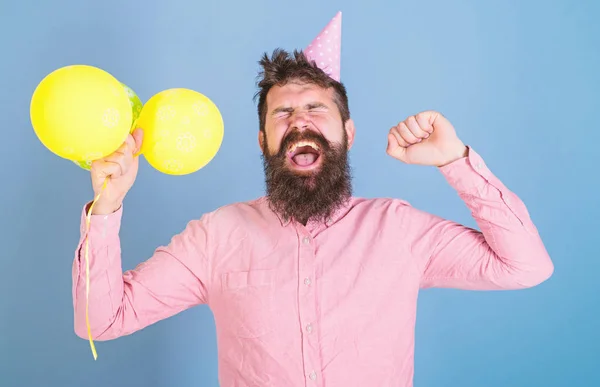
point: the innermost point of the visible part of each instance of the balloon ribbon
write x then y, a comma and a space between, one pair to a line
87, 270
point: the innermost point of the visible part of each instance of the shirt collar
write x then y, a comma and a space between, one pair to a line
335, 217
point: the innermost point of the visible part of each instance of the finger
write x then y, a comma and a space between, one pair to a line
394, 132
129, 146
138, 137
425, 121
406, 134
103, 169
415, 128
394, 149
125, 148
123, 157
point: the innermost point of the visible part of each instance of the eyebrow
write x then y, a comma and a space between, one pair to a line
308, 106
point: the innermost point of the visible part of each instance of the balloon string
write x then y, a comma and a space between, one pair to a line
87, 271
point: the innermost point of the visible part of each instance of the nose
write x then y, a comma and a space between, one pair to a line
300, 122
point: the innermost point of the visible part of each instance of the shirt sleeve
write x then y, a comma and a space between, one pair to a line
506, 254
174, 278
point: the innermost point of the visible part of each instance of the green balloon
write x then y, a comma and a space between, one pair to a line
87, 165
136, 104
136, 109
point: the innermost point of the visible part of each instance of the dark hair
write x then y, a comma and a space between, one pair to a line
284, 67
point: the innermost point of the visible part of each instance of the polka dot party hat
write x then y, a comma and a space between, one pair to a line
325, 49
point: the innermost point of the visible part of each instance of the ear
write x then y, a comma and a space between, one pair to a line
261, 140
350, 131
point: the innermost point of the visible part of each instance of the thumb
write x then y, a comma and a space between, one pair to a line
138, 137
394, 149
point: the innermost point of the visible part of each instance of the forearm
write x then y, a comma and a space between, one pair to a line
105, 278
171, 280
507, 253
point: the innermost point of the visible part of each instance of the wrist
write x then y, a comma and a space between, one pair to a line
103, 208
457, 153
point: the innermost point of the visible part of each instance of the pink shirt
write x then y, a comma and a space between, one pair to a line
319, 305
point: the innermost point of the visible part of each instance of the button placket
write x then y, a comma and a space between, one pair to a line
307, 304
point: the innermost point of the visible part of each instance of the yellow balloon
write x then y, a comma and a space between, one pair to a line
183, 131
81, 112
136, 107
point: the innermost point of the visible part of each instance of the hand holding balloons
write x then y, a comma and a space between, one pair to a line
119, 170
182, 131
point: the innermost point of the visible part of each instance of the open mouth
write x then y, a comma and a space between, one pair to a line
304, 154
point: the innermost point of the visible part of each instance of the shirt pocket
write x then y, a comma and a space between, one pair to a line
249, 302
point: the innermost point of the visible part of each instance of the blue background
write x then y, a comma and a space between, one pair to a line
520, 80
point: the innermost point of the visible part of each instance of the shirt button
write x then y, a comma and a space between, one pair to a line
306, 240
309, 328
307, 281
313, 375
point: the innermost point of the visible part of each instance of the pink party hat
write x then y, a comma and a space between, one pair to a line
326, 48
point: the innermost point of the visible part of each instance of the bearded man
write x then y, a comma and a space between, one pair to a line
310, 285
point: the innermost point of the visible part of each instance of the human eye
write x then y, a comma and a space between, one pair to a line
281, 113
317, 108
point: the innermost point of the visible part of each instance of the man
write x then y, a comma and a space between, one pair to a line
309, 285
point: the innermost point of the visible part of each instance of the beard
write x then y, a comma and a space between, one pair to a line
313, 195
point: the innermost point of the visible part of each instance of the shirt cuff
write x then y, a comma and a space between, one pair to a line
468, 174
101, 225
